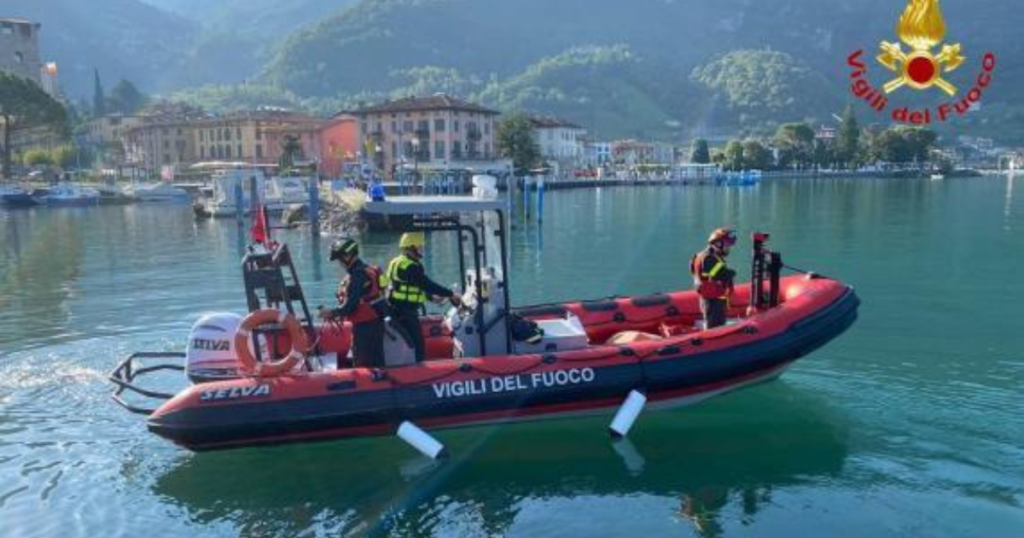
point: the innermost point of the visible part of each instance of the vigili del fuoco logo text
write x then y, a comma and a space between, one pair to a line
921, 67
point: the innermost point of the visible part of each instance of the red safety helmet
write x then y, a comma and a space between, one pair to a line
723, 237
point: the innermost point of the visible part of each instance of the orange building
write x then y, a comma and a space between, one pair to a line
339, 144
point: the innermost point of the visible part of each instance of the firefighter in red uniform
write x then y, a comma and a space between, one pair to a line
362, 303
714, 280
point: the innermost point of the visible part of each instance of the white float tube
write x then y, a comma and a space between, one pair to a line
627, 413
421, 440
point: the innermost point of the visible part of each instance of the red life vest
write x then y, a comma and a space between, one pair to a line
707, 286
365, 311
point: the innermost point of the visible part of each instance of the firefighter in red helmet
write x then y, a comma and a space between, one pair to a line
713, 278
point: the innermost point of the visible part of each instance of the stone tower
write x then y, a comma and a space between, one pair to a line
19, 48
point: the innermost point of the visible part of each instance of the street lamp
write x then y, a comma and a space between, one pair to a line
416, 158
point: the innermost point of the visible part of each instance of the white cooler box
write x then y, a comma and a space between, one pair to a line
562, 334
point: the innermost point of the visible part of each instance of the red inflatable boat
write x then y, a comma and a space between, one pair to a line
593, 356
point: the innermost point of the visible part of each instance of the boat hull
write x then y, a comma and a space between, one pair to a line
19, 200
451, 393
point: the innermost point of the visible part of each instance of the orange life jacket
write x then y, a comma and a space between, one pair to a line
365, 311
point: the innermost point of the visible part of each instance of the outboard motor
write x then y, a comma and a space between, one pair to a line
210, 355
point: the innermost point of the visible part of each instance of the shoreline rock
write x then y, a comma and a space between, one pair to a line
341, 213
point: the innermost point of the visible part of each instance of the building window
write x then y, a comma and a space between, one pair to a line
456, 149
363, 127
455, 126
439, 125
259, 133
239, 151
227, 150
394, 149
202, 136
487, 127
202, 153
407, 126
394, 127
238, 133
259, 151
423, 127
167, 158
227, 135
439, 149
167, 144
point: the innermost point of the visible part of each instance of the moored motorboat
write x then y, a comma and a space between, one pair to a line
286, 191
22, 197
71, 195
590, 357
227, 185
162, 192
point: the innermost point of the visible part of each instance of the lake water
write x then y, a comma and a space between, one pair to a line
910, 424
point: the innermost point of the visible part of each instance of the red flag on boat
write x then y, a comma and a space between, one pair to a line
260, 232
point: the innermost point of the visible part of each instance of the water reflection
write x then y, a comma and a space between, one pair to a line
42, 259
1008, 206
703, 461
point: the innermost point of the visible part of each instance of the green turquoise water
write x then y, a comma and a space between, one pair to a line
910, 424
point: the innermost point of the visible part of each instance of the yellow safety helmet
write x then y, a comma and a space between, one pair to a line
412, 239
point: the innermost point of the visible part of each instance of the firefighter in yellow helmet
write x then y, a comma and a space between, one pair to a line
713, 278
411, 288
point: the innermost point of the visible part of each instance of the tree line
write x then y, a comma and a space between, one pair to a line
796, 146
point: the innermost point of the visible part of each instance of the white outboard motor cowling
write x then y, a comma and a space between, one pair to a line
210, 354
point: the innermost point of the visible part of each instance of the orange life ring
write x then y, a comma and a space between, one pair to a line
300, 345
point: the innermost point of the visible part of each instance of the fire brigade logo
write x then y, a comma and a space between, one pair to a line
921, 66
922, 28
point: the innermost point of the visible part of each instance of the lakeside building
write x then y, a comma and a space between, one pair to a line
108, 135
162, 138
19, 48
110, 130
596, 154
339, 144
439, 132
826, 134
20, 56
256, 137
179, 136
48, 79
560, 141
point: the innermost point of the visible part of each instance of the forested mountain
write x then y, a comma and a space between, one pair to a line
270, 20
619, 67
682, 64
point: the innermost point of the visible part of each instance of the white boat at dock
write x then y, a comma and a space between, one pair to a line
284, 191
224, 202
158, 193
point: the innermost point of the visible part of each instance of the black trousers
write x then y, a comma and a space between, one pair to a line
367, 344
715, 311
409, 320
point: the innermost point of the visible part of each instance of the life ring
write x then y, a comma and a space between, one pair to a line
296, 334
